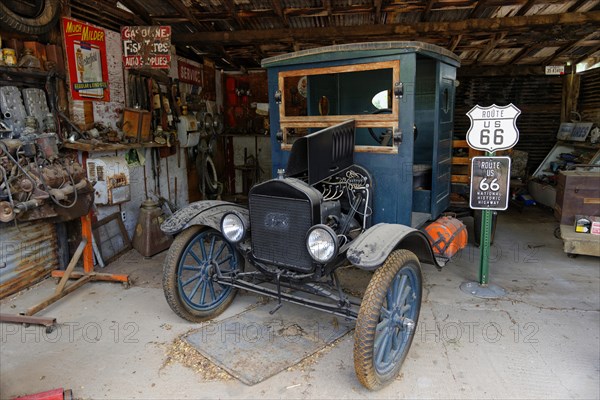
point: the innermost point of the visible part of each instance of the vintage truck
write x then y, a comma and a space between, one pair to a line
361, 147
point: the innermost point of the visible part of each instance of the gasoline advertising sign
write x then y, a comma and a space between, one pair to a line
490, 177
85, 46
493, 128
146, 46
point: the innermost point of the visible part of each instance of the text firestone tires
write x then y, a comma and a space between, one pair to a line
188, 273
387, 319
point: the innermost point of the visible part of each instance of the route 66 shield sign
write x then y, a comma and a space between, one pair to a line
493, 128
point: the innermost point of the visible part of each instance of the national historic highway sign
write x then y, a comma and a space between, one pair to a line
493, 128
490, 178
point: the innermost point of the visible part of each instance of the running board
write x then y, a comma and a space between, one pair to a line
349, 313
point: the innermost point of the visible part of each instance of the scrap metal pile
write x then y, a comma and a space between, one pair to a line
35, 180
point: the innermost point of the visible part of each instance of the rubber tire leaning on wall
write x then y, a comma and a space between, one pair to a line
42, 23
208, 174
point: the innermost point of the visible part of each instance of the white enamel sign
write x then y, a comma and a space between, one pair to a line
493, 128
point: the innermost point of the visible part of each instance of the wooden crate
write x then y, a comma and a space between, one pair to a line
136, 125
577, 193
461, 166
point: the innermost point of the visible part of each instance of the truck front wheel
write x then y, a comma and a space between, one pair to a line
189, 270
387, 319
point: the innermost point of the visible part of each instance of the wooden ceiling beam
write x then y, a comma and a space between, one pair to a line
585, 57
571, 46
185, 11
138, 10
455, 42
420, 29
230, 4
498, 37
478, 9
377, 13
107, 10
520, 55
427, 11
561, 51
526, 7
576, 5
327, 7
278, 8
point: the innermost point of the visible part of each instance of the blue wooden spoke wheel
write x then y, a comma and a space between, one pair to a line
189, 271
387, 319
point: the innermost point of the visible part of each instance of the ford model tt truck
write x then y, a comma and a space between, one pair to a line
361, 147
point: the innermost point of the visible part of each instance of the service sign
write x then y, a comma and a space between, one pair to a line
493, 128
85, 46
146, 46
490, 178
189, 73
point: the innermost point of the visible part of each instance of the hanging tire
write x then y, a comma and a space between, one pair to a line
208, 173
387, 319
41, 23
188, 273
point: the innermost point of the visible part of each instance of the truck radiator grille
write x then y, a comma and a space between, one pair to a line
279, 227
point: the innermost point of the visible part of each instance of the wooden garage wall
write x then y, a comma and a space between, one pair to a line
589, 96
538, 97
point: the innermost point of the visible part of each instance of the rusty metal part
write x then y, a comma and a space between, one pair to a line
27, 319
47, 144
27, 205
12, 145
40, 185
65, 191
6, 212
26, 185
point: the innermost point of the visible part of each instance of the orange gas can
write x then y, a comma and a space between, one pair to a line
447, 235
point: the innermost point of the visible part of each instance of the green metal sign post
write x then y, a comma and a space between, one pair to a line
485, 243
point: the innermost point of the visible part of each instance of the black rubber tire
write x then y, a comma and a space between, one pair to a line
170, 286
40, 24
369, 314
208, 174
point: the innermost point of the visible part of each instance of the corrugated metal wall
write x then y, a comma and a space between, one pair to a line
589, 96
538, 97
28, 253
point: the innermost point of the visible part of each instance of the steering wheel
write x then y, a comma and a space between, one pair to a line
379, 139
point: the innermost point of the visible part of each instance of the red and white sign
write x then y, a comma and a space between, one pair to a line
189, 73
85, 45
146, 46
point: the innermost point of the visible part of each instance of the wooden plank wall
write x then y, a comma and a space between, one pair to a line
589, 96
538, 97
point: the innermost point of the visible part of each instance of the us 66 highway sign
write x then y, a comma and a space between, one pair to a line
493, 128
490, 177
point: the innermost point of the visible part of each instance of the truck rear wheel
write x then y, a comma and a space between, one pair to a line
188, 273
387, 319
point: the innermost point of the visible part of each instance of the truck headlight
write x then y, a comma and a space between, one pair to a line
233, 227
322, 244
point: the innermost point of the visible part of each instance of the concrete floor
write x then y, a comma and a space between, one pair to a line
540, 341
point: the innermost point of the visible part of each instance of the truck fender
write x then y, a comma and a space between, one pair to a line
206, 212
370, 250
